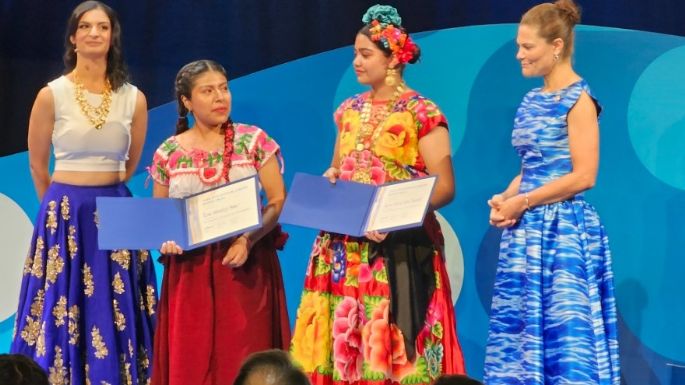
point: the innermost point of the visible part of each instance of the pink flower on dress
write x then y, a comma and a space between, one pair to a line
173, 159
363, 167
434, 315
421, 112
365, 273
384, 349
347, 339
199, 158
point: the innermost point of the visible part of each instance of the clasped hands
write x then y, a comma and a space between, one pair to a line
506, 212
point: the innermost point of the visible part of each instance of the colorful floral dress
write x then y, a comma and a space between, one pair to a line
211, 316
379, 313
553, 318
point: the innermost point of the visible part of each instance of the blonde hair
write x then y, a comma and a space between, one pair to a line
555, 21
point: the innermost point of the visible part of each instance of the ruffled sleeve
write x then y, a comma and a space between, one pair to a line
262, 146
159, 169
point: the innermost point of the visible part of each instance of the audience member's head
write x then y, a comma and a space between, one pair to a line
17, 369
271, 367
456, 379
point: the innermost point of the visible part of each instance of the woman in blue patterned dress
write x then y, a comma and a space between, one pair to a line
553, 317
86, 315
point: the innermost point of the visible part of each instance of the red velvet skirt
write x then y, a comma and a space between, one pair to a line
211, 317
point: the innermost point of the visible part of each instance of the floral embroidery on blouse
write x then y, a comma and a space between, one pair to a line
394, 155
252, 148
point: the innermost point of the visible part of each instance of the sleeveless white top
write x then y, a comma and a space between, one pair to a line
78, 145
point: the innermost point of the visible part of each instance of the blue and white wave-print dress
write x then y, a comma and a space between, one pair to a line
553, 318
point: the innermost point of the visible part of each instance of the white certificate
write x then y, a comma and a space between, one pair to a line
228, 209
397, 205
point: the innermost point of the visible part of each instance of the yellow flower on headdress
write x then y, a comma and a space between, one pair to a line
398, 139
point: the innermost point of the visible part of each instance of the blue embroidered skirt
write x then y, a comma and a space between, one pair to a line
85, 315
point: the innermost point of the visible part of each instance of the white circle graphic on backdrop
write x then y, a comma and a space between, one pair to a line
15, 236
454, 258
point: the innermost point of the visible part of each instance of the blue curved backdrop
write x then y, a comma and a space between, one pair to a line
472, 74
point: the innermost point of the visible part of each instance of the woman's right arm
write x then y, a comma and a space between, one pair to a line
41, 125
333, 172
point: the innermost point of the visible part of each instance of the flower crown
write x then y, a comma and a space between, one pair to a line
386, 28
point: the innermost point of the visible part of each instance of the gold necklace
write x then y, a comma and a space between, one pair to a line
96, 115
371, 124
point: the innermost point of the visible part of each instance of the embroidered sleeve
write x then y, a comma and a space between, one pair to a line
159, 170
337, 115
264, 148
427, 115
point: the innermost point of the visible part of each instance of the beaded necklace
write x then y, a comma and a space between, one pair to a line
372, 123
370, 130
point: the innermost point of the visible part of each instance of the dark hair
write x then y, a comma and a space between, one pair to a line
117, 73
456, 379
365, 30
17, 369
185, 80
555, 21
275, 364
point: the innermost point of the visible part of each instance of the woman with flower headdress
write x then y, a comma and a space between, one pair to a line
86, 315
378, 309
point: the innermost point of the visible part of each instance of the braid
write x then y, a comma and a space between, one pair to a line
229, 134
183, 85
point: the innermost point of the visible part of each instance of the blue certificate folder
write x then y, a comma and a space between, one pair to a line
344, 207
145, 223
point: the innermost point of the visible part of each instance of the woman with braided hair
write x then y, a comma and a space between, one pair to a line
377, 309
553, 318
226, 300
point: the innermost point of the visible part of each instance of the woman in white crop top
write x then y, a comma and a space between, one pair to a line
86, 315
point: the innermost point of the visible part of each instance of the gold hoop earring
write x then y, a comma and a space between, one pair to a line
391, 77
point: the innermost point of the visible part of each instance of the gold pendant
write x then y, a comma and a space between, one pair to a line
360, 147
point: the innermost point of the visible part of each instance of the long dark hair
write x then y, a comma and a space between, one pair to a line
185, 80
117, 73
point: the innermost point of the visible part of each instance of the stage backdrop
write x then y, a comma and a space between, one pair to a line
472, 74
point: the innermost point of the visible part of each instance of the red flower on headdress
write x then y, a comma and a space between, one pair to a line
407, 52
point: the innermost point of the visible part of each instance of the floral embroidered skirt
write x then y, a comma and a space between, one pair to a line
85, 315
346, 330
211, 317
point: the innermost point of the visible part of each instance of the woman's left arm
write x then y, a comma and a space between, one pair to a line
138, 131
272, 181
435, 150
583, 138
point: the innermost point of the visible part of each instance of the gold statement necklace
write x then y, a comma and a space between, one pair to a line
96, 115
371, 127
372, 123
